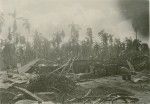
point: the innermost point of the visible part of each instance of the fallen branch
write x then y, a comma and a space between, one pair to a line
97, 101
86, 101
70, 68
32, 102
64, 68
45, 93
131, 67
87, 94
27, 67
29, 93
82, 98
125, 99
87, 97
117, 94
64, 65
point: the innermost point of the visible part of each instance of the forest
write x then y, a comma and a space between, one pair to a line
69, 64
17, 49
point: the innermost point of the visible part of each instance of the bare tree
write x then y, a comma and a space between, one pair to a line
1, 21
26, 25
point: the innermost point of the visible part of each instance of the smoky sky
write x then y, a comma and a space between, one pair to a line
137, 11
48, 16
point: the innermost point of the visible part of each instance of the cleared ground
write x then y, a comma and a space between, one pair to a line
106, 85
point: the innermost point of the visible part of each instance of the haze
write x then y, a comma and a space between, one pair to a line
48, 16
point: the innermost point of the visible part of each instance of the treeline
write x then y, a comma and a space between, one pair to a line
17, 49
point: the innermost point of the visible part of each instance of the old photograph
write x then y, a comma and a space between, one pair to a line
74, 52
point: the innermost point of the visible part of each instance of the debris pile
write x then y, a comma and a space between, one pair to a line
24, 85
58, 85
45, 83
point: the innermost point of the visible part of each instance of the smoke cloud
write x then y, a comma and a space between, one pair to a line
137, 11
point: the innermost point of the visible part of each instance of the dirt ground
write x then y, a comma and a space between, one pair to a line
104, 86
101, 87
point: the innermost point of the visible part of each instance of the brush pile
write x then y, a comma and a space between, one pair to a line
54, 86
46, 83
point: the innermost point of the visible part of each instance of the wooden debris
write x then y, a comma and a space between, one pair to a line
125, 99
51, 82
32, 102
85, 97
71, 65
87, 94
97, 101
130, 66
46, 93
116, 96
64, 65
29, 93
27, 67
26, 102
64, 68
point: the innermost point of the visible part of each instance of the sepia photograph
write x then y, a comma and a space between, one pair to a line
74, 52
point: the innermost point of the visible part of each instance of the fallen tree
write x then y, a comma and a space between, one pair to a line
29, 93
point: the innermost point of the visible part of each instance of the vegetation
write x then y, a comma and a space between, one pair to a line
108, 56
17, 48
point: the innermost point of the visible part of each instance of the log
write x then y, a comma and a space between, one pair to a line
32, 102
29, 93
